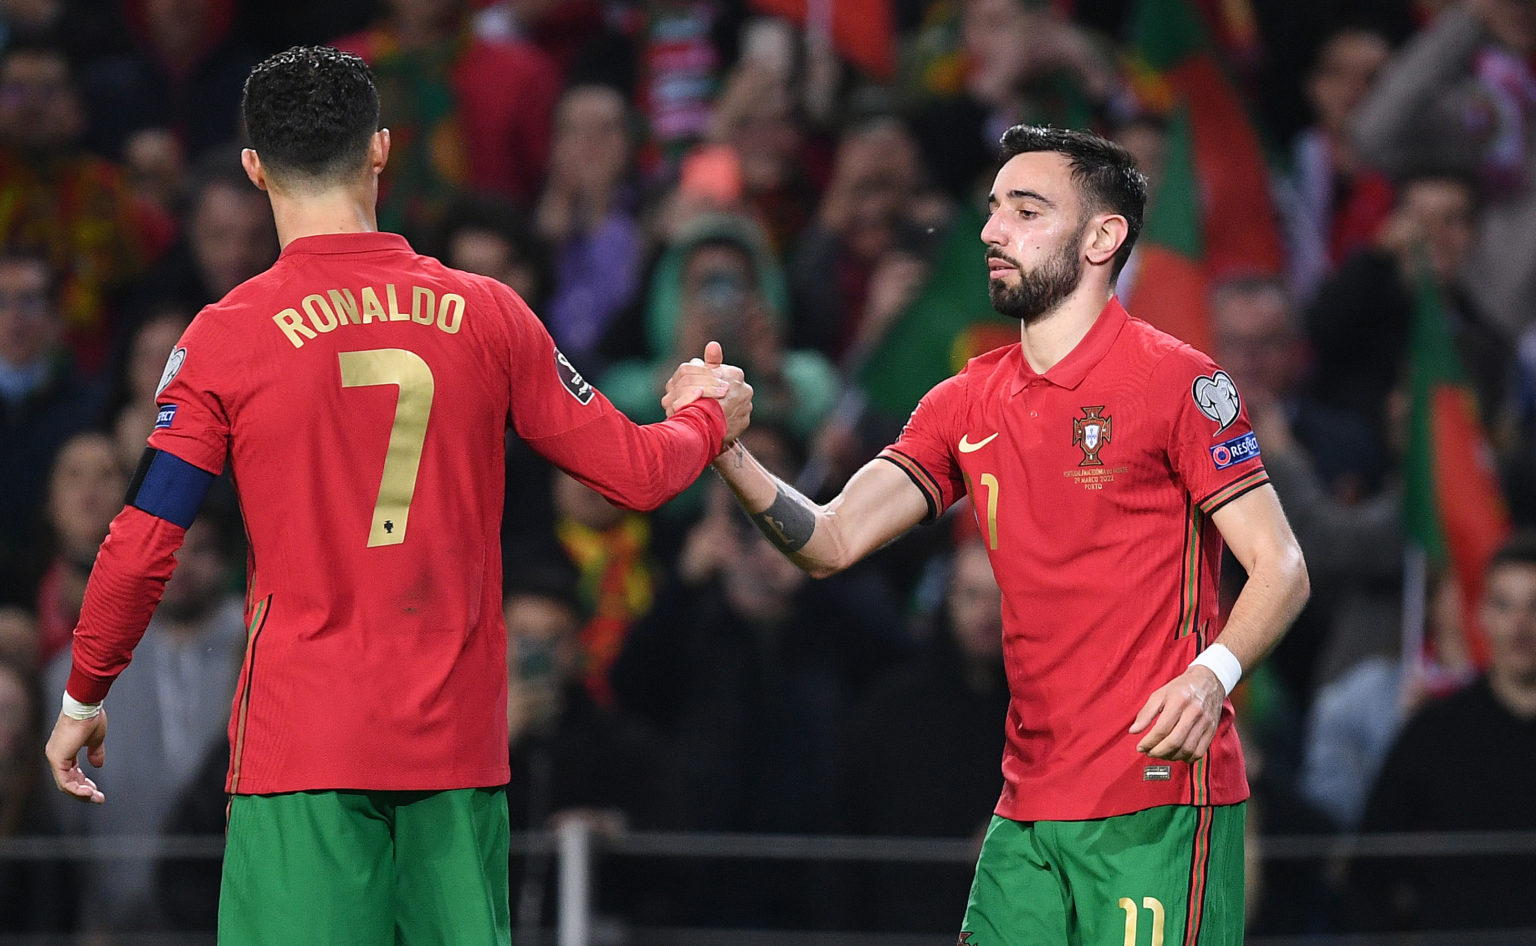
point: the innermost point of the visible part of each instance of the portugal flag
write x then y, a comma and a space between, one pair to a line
1215, 168
1454, 509
1170, 280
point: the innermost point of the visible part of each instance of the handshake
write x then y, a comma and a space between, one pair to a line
710, 377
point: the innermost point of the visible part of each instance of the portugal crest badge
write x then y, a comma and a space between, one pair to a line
1090, 433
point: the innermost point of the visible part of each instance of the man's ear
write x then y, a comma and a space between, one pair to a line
1105, 237
251, 161
378, 151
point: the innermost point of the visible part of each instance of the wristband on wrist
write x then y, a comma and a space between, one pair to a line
1220, 661
75, 709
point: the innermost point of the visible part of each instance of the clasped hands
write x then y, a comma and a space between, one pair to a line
711, 377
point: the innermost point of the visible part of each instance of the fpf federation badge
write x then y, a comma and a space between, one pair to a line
1090, 433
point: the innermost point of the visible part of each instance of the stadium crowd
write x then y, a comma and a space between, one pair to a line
653, 174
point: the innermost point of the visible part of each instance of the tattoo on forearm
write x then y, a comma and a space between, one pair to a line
788, 523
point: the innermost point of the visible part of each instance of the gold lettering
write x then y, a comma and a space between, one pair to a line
345, 305
372, 310
450, 313
423, 305
293, 326
395, 315
319, 312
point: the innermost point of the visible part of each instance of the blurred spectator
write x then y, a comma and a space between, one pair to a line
1259, 340
35, 896
169, 714
229, 238
719, 281
757, 117
74, 208
1337, 202
493, 237
464, 113
587, 213
1461, 95
184, 75
922, 753
85, 29
1358, 714
1023, 62
682, 47
1359, 320
611, 549
748, 667
156, 164
85, 490
866, 254
131, 409
1465, 763
18, 637
43, 402
570, 756
1327, 460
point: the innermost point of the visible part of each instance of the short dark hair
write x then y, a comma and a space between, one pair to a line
311, 111
1518, 549
1105, 173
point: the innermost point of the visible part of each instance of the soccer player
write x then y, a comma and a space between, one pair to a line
360, 394
1107, 463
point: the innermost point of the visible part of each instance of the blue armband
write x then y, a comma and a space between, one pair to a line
169, 487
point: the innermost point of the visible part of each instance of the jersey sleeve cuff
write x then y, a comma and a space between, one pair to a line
1245, 484
86, 687
920, 478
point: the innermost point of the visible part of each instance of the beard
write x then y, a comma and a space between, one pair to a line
1039, 290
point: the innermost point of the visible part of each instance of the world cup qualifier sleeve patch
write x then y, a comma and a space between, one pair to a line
1216, 397
1235, 451
579, 387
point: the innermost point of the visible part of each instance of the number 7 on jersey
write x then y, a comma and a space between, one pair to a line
397, 483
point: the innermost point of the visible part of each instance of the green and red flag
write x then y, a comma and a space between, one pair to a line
1171, 277
1453, 506
1175, 61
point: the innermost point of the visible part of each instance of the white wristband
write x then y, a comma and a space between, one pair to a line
1217, 659
75, 709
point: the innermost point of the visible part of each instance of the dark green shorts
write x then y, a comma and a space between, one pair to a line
1161, 877
365, 868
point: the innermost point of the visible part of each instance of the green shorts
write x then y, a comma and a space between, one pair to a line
1165, 876
366, 867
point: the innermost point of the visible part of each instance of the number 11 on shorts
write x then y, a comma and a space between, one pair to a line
1155, 906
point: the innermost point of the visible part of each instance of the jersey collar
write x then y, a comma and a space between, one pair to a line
1071, 370
329, 243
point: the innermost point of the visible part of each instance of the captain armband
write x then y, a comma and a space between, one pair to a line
169, 487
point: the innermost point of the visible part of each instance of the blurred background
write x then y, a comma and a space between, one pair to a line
1343, 214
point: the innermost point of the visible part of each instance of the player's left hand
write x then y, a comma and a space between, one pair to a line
70, 735
1187, 709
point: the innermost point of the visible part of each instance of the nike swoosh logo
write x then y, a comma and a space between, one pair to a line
967, 447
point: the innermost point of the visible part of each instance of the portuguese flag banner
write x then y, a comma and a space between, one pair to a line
1170, 279
1212, 210
1453, 507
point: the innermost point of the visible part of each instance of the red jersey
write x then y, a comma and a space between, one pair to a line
1093, 486
362, 395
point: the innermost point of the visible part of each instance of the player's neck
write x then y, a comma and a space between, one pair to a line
1050, 338
337, 210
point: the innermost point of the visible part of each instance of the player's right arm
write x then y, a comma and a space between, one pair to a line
878, 504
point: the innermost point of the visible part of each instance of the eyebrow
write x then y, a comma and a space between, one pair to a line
1022, 195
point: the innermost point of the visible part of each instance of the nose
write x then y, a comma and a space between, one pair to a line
992, 231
